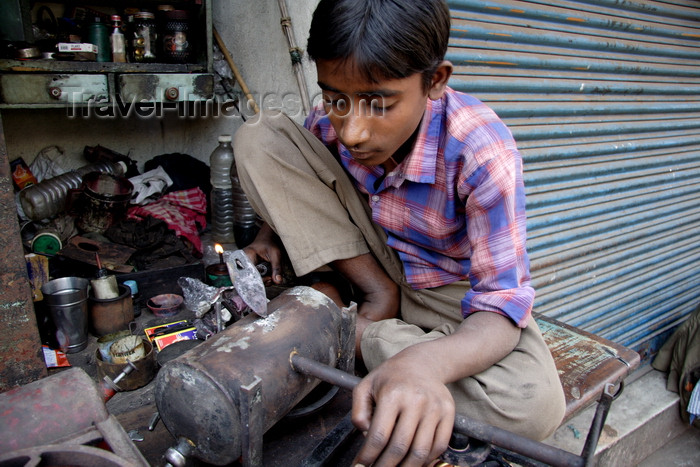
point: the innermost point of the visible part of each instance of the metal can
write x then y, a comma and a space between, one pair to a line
144, 38
177, 46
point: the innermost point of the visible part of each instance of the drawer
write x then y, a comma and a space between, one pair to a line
61, 89
165, 87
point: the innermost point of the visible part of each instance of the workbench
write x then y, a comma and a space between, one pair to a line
589, 367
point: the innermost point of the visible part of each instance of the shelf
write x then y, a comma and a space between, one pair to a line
58, 66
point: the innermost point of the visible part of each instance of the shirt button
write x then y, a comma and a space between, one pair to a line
375, 198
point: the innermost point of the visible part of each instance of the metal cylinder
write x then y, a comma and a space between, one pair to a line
111, 314
48, 198
210, 396
66, 299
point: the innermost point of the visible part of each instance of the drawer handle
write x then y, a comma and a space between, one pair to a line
172, 94
55, 92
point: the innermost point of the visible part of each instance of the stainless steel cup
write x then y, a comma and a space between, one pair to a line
66, 300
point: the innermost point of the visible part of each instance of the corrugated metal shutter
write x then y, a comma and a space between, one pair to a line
603, 98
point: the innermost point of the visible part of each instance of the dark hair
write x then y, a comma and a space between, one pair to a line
385, 39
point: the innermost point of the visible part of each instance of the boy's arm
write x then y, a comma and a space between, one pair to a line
404, 406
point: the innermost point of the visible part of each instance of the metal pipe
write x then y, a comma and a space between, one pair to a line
323, 372
601, 414
464, 425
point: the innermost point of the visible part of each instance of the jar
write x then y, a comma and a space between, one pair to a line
144, 38
177, 47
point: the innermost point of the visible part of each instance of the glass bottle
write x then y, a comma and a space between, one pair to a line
144, 39
118, 41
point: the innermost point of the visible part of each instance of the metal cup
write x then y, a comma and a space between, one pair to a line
66, 299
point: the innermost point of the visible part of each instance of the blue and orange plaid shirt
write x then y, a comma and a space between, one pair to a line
454, 208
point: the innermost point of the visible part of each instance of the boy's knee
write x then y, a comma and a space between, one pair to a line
256, 137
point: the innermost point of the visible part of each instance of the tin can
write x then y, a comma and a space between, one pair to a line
177, 47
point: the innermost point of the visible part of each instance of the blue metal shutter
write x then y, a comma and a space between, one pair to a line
603, 98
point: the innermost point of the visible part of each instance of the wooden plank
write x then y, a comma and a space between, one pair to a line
586, 362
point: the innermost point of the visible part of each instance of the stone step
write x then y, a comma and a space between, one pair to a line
642, 420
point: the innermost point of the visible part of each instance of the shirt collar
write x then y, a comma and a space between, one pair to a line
419, 164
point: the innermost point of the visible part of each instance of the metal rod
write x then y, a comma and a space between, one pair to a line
323, 372
601, 413
465, 425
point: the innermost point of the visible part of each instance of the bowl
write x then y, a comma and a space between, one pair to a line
165, 305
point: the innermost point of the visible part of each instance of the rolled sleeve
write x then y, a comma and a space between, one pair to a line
495, 206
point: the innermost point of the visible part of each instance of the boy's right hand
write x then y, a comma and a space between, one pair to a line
266, 247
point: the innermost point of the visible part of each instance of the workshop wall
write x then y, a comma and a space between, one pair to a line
253, 34
259, 48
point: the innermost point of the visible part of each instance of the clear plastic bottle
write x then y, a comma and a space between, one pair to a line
221, 199
245, 220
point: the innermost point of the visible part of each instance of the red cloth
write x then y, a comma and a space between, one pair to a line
184, 211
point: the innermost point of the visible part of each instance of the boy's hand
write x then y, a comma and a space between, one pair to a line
404, 404
265, 247
406, 412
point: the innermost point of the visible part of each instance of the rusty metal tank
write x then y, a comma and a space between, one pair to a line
220, 397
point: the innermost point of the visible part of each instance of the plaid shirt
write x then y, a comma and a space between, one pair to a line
454, 209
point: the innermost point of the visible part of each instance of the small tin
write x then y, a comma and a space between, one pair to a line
177, 46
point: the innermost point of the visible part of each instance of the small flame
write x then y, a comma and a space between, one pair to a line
218, 248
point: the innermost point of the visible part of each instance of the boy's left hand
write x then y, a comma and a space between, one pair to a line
406, 412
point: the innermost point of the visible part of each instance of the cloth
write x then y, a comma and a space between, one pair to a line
184, 211
680, 357
295, 184
157, 246
464, 174
694, 404
185, 171
150, 186
522, 393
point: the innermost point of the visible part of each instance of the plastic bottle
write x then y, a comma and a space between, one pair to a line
118, 41
244, 225
222, 211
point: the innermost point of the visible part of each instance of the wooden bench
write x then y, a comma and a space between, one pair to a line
591, 369
587, 363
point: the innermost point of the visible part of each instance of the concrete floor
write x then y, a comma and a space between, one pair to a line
682, 451
643, 428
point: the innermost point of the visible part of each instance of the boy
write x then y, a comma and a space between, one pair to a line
414, 193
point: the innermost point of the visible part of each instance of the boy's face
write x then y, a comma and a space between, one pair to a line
371, 119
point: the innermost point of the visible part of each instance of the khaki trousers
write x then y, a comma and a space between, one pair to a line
296, 185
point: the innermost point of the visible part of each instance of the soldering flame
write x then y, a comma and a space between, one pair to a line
218, 248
